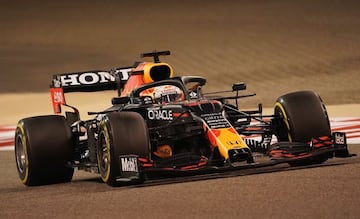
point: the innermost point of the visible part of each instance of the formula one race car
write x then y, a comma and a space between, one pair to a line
162, 125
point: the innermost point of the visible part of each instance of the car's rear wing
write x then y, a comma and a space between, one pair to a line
87, 81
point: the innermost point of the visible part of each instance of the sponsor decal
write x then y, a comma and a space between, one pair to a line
58, 96
86, 78
56, 82
159, 114
215, 120
233, 142
123, 73
193, 95
163, 151
129, 164
339, 138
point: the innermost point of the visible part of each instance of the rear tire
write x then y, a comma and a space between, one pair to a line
43, 148
120, 133
302, 116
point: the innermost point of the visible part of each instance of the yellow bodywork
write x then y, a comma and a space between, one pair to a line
147, 67
226, 139
147, 72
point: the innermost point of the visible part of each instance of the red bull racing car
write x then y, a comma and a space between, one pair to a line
163, 125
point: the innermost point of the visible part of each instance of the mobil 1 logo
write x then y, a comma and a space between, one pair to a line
129, 163
129, 167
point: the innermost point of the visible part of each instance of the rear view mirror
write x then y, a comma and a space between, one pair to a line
239, 86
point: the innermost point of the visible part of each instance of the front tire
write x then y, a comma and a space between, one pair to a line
43, 148
302, 116
120, 133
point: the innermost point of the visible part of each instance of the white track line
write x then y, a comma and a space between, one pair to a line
349, 125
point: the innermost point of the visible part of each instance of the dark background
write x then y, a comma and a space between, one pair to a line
275, 46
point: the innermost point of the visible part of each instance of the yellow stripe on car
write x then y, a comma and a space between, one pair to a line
23, 139
226, 140
280, 106
107, 142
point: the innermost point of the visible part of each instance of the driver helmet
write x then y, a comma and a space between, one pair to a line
168, 93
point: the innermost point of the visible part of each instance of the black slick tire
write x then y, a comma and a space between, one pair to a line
43, 150
120, 133
302, 116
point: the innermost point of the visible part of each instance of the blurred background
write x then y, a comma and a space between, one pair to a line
275, 46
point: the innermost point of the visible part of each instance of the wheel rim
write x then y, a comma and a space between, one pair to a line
20, 154
104, 157
280, 112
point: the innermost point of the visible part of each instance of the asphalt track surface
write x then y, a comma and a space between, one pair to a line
329, 190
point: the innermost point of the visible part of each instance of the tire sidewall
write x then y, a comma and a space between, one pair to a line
124, 133
104, 131
21, 136
47, 143
304, 116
